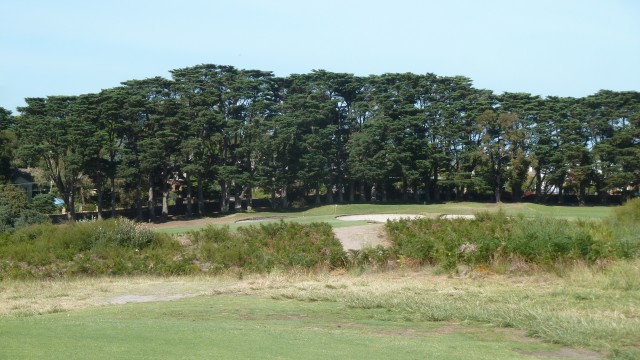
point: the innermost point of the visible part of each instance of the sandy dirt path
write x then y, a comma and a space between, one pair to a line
357, 237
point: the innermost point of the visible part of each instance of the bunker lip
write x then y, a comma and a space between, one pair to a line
263, 218
379, 218
457, 216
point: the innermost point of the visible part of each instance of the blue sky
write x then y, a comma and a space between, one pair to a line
543, 47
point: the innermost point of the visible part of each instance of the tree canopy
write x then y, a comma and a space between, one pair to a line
215, 132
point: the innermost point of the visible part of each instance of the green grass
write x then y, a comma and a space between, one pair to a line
402, 313
251, 327
328, 213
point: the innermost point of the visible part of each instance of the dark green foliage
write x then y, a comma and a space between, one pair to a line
13, 200
225, 132
266, 247
30, 217
43, 203
496, 238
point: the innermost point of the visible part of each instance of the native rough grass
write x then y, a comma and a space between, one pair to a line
595, 307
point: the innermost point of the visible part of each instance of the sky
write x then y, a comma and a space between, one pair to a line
543, 47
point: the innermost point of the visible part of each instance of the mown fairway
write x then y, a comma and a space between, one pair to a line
249, 327
402, 314
328, 213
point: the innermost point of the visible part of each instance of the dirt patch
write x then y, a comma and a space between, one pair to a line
565, 353
358, 237
124, 299
263, 218
199, 222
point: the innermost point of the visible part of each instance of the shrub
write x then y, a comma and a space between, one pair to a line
123, 232
376, 257
13, 200
90, 248
496, 237
30, 217
43, 203
269, 246
625, 229
629, 212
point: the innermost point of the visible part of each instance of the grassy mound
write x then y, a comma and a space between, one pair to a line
268, 246
498, 240
112, 247
122, 247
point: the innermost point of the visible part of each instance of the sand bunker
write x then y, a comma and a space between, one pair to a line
381, 218
454, 216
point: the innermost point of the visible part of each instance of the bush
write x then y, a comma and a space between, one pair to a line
123, 232
491, 238
13, 200
113, 247
269, 246
30, 217
625, 229
43, 203
628, 213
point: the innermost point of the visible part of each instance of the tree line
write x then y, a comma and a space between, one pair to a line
224, 132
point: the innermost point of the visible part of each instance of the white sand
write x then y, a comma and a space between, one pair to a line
453, 216
381, 218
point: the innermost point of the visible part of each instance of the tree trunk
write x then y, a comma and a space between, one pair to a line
405, 189
99, 204
340, 193
538, 185
71, 212
113, 197
384, 192
165, 198
238, 204
416, 194
603, 195
249, 198
329, 194
189, 196
363, 196
139, 200
582, 194
459, 193
150, 203
498, 186
224, 197
373, 193
200, 196
435, 186
283, 197
427, 189
318, 201
516, 191
561, 194
274, 202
